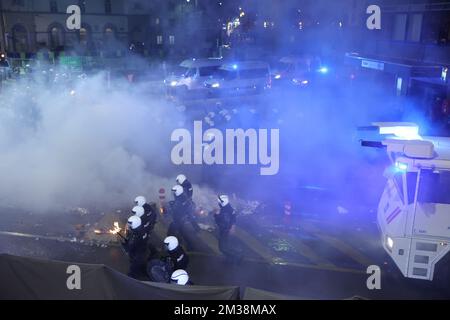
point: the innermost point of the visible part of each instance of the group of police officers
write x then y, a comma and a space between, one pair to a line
171, 265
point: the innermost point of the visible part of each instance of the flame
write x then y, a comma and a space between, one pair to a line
161, 210
116, 228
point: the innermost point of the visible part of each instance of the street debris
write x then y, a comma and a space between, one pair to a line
82, 211
206, 227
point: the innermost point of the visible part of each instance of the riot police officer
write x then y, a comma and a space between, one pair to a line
177, 256
185, 183
150, 213
181, 208
226, 219
135, 246
160, 269
188, 190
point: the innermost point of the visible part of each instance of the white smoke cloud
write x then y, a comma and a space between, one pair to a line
97, 148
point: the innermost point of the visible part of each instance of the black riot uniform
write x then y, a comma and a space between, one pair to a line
181, 209
149, 217
178, 259
189, 191
135, 246
187, 188
225, 219
148, 222
161, 269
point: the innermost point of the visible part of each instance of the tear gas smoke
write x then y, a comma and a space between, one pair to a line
83, 146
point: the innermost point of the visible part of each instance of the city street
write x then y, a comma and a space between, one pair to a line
319, 249
306, 259
309, 141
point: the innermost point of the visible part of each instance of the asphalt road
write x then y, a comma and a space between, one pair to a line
303, 257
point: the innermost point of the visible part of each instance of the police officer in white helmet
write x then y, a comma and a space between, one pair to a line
135, 246
180, 208
160, 269
180, 277
177, 258
226, 219
188, 191
150, 213
186, 184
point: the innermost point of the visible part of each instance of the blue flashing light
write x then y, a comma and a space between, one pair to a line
323, 70
401, 167
235, 66
404, 132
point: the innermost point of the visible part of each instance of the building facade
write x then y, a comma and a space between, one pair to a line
417, 30
154, 27
28, 26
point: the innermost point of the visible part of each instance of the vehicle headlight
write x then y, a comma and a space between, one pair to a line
389, 242
300, 81
323, 70
215, 85
401, 167
277, 76
173, 83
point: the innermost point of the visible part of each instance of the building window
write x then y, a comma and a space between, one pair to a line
56, 36
109, 34
53, 6
83, 35
107, 6
159, 39
172, 40
82, 5
399, 31
436, 28
415, 27
20, 38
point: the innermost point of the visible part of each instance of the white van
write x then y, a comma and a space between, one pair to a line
192, 75
241, 77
